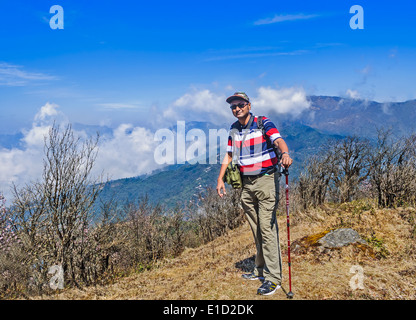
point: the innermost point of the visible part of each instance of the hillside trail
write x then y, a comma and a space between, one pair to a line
213, 271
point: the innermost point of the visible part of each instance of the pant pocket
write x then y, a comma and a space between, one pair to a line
266, 188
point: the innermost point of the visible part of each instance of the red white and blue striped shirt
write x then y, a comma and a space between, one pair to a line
256, 155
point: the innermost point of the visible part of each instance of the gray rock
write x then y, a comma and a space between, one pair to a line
340, 237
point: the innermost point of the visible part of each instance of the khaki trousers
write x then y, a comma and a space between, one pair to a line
258, 198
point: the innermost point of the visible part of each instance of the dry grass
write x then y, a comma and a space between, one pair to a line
213, 271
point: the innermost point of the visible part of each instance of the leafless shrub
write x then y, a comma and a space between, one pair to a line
350, 167
335, 173
147, 230
215, 216
353, 167
12, 267
312, 185
393, 169
147, 234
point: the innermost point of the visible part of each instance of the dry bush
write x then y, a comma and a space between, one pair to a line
146, 234
393, 169
146, 231
215, 216
312, 185
10, 252
353, 168
150, 233
350, 167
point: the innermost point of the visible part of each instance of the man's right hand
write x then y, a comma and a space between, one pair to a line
221, 188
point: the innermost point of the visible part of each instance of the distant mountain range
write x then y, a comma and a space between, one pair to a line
345, 116
327, 118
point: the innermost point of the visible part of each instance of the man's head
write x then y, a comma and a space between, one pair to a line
240, 105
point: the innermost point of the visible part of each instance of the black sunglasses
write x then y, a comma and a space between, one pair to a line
240, 105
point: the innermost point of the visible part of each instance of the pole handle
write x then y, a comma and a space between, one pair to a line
285, 171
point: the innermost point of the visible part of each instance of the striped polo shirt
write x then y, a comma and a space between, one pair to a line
256, 155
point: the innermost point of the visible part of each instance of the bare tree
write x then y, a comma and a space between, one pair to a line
55, 214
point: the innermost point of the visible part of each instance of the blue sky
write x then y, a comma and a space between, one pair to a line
122, 61
137, 66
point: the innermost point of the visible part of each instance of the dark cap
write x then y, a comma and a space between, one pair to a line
238, 95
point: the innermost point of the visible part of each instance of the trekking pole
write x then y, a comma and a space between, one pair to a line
290, 294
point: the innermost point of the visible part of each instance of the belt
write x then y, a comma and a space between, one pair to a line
254, 177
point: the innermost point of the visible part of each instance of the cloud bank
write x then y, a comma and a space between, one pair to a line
130, 150
199, 105
204, 105
127, 153
292, 101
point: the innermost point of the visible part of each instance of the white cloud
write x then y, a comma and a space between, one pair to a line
291, 101
285, 17
13, 75
14, 163
199, 105
48, 110
35, 136
42, 122
130, 152
353, 94
385, 107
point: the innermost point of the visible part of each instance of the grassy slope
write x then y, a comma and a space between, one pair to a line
213, 271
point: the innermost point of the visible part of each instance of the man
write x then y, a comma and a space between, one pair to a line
260, 169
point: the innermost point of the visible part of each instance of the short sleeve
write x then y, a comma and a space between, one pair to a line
270, 129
